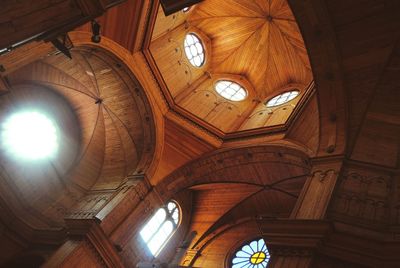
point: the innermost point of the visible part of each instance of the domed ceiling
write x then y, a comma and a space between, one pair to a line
256, 44
105, 124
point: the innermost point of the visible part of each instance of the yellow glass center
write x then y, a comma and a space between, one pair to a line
257, 258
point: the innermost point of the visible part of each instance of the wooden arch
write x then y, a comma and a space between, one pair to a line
316, 28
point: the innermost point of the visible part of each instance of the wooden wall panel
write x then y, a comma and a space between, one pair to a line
327, 262
165, 24
364, 197
83, 256
121, 24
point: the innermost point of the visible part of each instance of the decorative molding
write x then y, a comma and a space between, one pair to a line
365, 198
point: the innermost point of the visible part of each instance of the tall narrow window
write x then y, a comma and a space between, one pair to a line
251, 255
160, 227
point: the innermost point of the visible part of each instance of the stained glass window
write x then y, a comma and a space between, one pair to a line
282, 98
194, 50
252, 255
160, 227
230, 90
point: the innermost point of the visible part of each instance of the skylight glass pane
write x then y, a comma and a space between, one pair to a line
230, 90
282, 98
171, 206
194, 50
175, 216
197, 61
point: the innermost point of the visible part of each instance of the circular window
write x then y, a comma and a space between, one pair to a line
252, 255
282, 98
194, 50
29, 135
230, 90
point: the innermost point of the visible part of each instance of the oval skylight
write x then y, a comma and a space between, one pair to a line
194, 50
282, 98
29, 135
230, 90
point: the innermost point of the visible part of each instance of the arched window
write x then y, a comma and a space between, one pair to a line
194, 50
230, 90
252, 255
282, 98
160, 227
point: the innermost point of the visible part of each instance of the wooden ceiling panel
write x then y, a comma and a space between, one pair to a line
280, 9
291, 32
230, 8
248, 59
114, 165
212, 201
227, 34
79, 69
165, 24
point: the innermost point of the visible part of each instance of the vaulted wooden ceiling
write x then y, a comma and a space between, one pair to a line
254, 43
105, 126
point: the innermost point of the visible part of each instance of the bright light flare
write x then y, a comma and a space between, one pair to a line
29, 135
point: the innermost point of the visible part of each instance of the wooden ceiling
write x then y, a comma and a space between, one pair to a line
354, 49
254, 43
106, 125
257, 39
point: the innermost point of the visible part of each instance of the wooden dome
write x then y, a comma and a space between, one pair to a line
256, 44
105, 124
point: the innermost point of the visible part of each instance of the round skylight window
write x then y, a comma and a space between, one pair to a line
194, 50
230, 90
282, 98
29, 135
